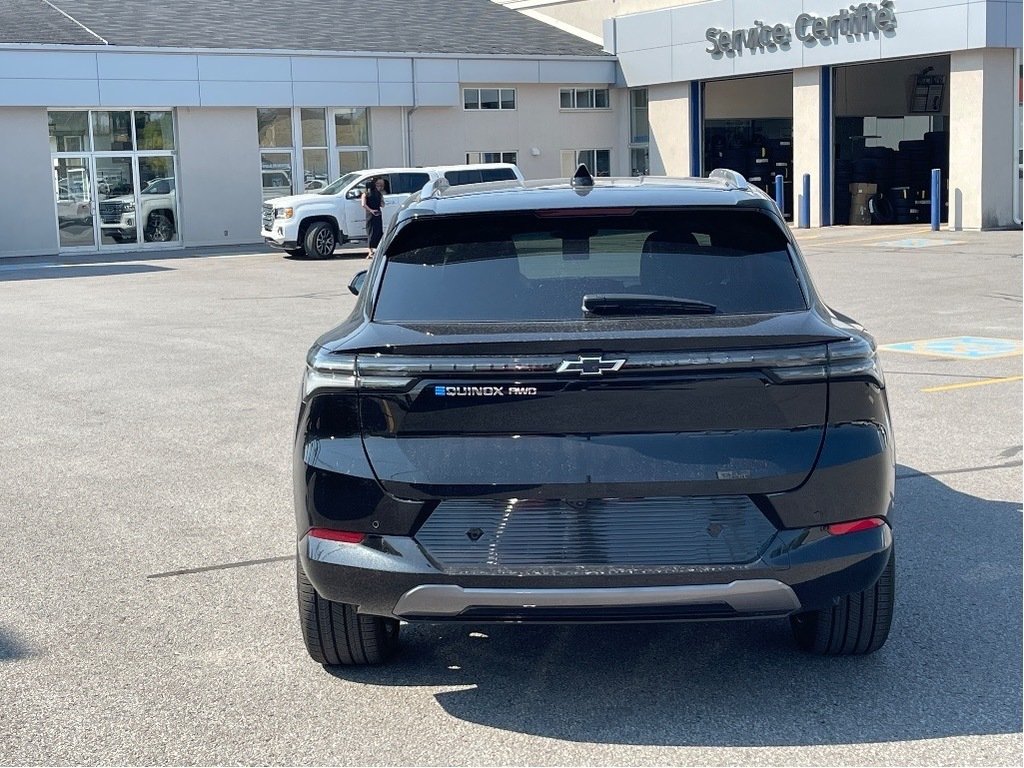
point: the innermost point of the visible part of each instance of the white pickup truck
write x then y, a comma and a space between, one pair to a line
118, 217
315, 223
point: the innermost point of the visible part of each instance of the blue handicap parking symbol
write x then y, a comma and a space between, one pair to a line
961, 347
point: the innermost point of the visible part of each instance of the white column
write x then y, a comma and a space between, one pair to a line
807, 140
982, 162
668, 110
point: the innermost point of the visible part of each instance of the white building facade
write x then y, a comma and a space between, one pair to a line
129, 143
864, 98
202, 135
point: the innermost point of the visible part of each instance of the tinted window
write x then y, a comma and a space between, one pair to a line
538, 266
455, 178
407, 183
497, 174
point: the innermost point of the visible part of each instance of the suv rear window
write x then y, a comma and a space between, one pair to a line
538, 266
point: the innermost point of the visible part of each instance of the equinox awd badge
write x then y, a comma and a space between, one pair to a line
590, 366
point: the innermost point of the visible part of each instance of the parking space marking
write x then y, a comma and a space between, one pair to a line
965, 384
917, 242
834, 243
958, 347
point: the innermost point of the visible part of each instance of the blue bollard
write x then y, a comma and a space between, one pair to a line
805, 204
936, 198
780, 195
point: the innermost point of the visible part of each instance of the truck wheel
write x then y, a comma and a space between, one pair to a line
857, 624
159, 228
320, 240
335, 634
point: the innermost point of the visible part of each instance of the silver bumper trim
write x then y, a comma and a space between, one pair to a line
447, 600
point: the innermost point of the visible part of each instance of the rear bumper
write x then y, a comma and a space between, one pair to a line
392, 576
447, 601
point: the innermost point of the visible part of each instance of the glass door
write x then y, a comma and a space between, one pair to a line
116, 192
76, 210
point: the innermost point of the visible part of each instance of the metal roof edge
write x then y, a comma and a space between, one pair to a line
92, 48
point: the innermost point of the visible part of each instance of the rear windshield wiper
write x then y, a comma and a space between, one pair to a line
642, 304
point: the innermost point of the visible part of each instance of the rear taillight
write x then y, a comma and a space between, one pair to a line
855, 359
865, 524
328, 371
346, 537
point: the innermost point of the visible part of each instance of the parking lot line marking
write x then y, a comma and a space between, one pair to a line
965, 384
917, 242
837, 243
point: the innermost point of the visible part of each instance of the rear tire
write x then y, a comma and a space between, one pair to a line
336, 635
858, 624
320, 241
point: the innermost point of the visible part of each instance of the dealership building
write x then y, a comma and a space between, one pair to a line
864, 98
148, 125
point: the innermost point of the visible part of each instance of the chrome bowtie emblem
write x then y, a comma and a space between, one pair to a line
590, 366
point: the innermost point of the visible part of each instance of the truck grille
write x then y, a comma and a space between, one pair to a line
486, 535
268, 216
110, 212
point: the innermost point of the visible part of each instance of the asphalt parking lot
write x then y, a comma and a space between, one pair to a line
147, 596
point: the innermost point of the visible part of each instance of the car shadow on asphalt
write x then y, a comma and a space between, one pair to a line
11, 647
65, 271
952, 665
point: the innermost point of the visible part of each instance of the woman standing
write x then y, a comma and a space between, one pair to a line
373, 204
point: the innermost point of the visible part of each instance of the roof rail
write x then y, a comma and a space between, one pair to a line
730, 177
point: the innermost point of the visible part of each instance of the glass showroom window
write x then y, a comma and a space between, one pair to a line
114, 177
297, 144
583, 98
352, 139
639, 134
489, 98
316, 170
277, 153
598, 161
492, 157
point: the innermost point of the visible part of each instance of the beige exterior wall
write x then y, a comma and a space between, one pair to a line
443, 135
807, 139
387, 137
669, 114
28, 213
219, 175
982, 171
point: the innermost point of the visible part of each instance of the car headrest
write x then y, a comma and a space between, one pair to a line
668, 241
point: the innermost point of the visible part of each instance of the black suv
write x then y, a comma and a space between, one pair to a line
592, 401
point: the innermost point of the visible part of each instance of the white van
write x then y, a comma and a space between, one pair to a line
314, 223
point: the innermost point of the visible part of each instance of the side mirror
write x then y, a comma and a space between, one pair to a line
356, 284
353, 194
